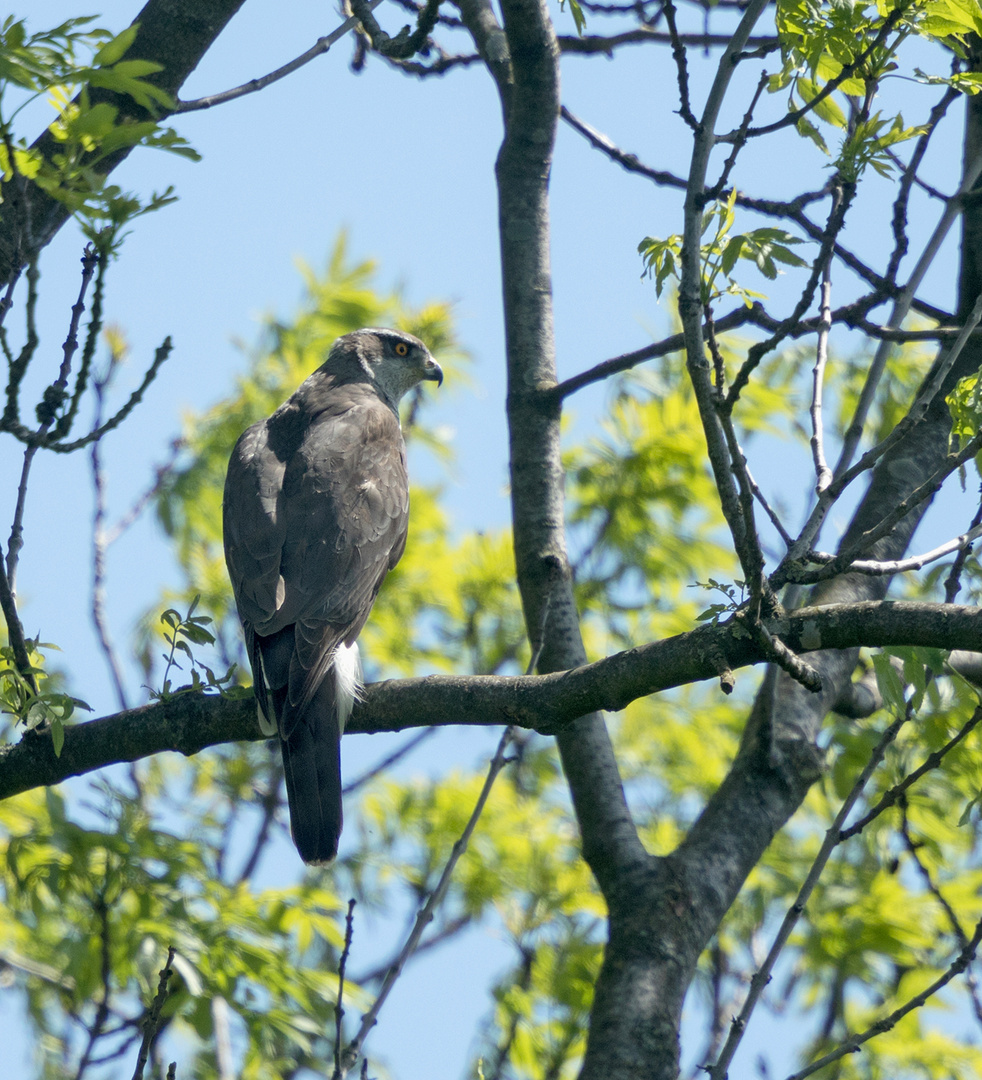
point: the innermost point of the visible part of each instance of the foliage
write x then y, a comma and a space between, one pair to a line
764, 247
449, 605
31, 697
87, 128
180, 633
95, 892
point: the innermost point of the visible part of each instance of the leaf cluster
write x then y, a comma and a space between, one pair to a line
96, 98
765, 247
31, 697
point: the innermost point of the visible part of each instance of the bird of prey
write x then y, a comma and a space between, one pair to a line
316, 512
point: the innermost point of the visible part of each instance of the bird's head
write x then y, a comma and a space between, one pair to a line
394, 361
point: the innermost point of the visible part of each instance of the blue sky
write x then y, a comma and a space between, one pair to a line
406, 168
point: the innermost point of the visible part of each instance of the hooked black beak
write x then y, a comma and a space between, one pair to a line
432, 371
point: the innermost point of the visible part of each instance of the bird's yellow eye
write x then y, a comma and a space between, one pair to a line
402, 349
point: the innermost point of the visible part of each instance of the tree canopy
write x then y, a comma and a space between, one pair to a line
719, 845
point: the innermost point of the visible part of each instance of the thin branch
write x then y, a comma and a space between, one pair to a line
738, 317
52, 400
452, 928
161, 473
931, 762
909, 177
152, 1021
404, 44
15, 632
935, 890
843, 479
842, 196
740, 141
833, 837
843, 562
690, 295
901, 307
498, 762
321, 46
916, 562
105, 964
596, 43
823, 474
349, 926
771, 514
270, 801
65, 421
854, 1042
17, 368
444, 62
847, 72
682, 72
162, 353
388, 761
952, 583
99, 545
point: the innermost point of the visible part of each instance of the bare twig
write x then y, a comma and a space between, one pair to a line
498, 762
823, 474
842, 196
99, 544
873, 567
162, 353
152, 1021
321, 46
935, 890
389, 760
690, 301
952, 583
270, 801
404, 44
738, 317
917, 411
15, 631
349, 925
53, 397
596, 43
678, 54
740, 141
161, 473
843, 562
97, 1028
901, 307
17, 368
833, 837
451, 929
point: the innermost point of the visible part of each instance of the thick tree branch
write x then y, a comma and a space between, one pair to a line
190, 723
531, 111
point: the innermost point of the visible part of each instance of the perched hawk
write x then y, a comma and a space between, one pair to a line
316, 511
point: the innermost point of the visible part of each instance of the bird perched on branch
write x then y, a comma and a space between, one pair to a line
316, 512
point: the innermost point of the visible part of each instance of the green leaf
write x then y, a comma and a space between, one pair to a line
57, 736
115, 49
890, 685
